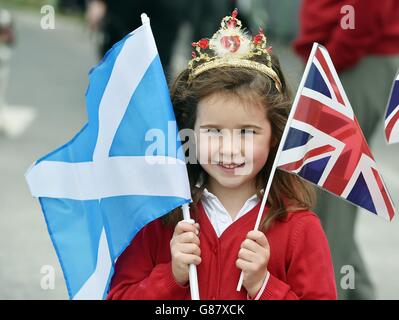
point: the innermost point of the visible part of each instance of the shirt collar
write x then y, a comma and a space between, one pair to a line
209, 195
209, 198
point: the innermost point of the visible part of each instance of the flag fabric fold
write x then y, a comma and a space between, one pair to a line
98, 190
325, 144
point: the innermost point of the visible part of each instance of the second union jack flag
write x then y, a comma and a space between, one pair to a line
392, 114
325, 144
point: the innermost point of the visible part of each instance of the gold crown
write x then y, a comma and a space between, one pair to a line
231, 46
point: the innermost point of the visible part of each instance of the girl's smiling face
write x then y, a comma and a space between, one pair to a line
233, 139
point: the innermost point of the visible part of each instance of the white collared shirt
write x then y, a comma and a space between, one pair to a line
221, 219
217, 213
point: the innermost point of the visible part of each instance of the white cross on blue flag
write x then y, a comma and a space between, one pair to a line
98, 190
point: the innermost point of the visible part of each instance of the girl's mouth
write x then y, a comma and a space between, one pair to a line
229, 167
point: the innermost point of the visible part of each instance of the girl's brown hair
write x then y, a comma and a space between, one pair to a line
288, 192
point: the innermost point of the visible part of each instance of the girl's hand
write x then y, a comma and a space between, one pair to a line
253, 258
185, 249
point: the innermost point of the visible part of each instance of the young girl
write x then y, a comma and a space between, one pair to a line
233, 87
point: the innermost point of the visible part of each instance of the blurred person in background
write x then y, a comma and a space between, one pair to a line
279, 17
366, 56
116, 18
70, 6
6, 42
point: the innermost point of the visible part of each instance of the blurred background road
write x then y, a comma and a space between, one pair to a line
49, 78
48, 73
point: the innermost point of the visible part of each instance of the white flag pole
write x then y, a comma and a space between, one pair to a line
280, 147
186, 215
144, 18
192, 272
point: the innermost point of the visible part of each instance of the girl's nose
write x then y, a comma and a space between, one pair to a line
230, 147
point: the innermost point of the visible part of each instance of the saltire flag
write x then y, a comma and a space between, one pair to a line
324, 143
98, 190
391, 124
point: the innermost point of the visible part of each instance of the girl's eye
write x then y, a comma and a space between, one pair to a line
213, 131
247, 131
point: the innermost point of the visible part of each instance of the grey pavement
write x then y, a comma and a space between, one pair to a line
49, 72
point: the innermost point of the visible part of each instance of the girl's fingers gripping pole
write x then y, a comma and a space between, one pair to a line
192, 273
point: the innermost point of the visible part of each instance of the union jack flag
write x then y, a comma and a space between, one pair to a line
324, 143
392, 114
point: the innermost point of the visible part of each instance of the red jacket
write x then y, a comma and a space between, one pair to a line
300, 263
376, 29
